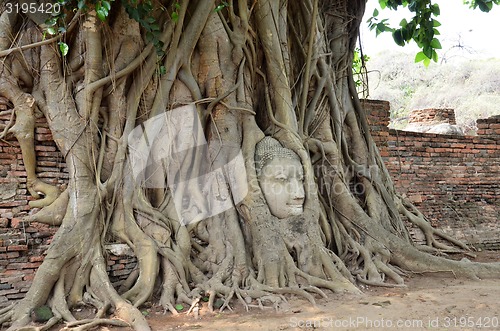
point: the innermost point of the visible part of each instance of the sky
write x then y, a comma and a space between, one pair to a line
475, 30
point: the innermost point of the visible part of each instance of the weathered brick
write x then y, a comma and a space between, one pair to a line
17, 248
10, 280
121, 272
45, 148
5, 286
16, 223
9, 291
16, 296
9, 255
36, 259
24, 265
118, 266
29, 277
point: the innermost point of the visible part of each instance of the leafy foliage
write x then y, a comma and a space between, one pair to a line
142, 12
56, 23
483, 5
359, 66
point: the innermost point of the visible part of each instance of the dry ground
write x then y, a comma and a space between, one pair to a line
427, 303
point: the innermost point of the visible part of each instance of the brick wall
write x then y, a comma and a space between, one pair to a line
489, 126
23, 245
454, 180
433, 116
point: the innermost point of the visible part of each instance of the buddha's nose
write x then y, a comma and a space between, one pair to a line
297, 190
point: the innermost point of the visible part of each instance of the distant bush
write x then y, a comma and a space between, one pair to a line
472, 88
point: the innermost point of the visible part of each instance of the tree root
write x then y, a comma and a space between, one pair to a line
417, 218
53, 214
374, 283
87, 324
50, 323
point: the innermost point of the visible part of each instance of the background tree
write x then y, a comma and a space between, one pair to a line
283, 68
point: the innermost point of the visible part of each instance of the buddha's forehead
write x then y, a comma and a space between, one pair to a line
284, 164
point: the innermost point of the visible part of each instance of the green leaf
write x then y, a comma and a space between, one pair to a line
223, 5
397, 35
435, 44
403, 22
435, 9
175, 17
375, 12
64, 48
102, 13
483, 6
106, 5
51, 21
420, 57
81, 4
150, 37
51, 30
134, 14
381, 27
179, 306
163, 70
428, 52
61, 29
435, 56
427, 61
406, 33
435, 23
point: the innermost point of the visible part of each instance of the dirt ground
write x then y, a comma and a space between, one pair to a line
427, 303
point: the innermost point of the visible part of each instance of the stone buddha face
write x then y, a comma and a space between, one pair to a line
281, 177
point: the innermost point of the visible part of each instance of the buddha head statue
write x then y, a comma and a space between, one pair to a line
281, 178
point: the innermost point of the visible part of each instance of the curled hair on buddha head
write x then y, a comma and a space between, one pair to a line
268, 149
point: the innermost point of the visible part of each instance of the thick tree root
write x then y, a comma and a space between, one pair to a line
87, 324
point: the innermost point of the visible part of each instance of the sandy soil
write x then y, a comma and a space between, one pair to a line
427, 303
